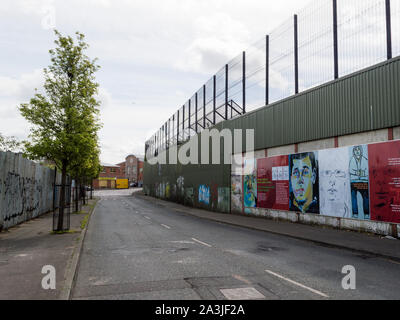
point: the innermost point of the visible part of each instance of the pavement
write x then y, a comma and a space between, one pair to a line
327, 236
144, 249
25, 249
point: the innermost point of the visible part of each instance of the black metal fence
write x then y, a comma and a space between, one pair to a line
326, 40
77, 194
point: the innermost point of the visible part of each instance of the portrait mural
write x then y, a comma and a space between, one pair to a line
334, 183
384, 176
304, 182
359, 181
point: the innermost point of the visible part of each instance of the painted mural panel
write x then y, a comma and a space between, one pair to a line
359, 182
384, 171
236, 194
250, 184
223, 200
304, 182
334, 183
204, 194
273, 183
189, 197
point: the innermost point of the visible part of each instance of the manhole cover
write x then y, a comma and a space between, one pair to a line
242, 294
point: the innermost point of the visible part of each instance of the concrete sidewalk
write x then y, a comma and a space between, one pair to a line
360, 242
26, 248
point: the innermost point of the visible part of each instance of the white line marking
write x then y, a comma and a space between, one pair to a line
147, 218
165, 226
298, 284
201, 242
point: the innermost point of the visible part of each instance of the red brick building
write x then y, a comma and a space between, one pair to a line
131, 169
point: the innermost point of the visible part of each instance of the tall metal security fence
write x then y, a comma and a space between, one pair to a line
327, 40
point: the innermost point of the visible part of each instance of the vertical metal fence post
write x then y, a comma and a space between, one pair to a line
190, 115
389, 30
226, 91
166, 135
296, 56
54, 189
204, 106
244, 82
335, 40
177, 129
214, 98
196, 115
183, 123
267, 70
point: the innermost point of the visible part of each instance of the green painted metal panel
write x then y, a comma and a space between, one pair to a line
364, 101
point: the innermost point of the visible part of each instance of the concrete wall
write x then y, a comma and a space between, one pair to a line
26, 189
364, 138
281, 151
396, 133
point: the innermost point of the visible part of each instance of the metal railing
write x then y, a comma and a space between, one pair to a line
323, 42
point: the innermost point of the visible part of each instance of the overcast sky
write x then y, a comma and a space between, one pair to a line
154, 54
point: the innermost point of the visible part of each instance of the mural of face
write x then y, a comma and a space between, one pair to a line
358, 152
302, 179
333, 182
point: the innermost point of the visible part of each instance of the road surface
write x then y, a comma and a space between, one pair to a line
137, 249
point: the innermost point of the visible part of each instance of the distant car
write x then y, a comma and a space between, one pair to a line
89, 188
133, 185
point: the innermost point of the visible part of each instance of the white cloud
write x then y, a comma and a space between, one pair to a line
22, 87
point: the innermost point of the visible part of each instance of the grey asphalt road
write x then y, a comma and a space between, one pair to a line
136, 249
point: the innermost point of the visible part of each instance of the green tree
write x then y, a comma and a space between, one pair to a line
9, 143
66, 118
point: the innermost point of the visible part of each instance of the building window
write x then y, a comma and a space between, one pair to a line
113, 170
103, 170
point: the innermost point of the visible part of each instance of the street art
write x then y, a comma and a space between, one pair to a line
304, 184
359, 181
180, 182
26, 189
223, 200
204, 194
384, 175
189, 197
236, 194
273, 183
250, 191
167, 191
334, 183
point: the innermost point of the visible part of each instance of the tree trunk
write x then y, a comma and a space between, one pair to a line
60, 224
76, 195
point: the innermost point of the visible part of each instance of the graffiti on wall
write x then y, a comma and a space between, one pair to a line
334, 183
223, 200
359, 181
236, 194
384, 174
304, 184
180, 183
204, 194
189, 197
250, 184
26, 189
